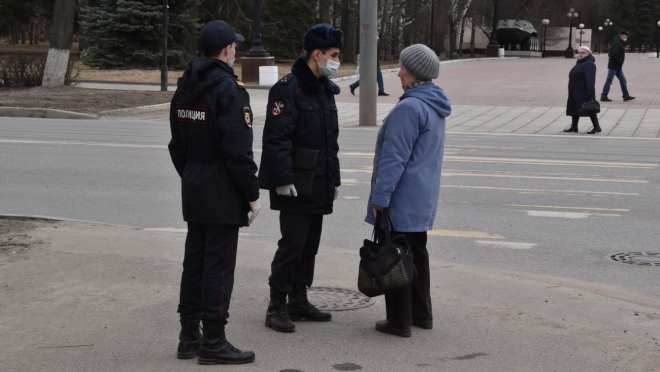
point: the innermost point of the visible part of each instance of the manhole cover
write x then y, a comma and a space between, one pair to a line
336, 299
638, 258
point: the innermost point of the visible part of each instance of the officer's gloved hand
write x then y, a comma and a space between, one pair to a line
336, 192
288, 190
255, 207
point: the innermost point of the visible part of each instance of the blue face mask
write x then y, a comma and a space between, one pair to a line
330, 68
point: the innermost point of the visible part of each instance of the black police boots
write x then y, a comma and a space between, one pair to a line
215, 348
190, 337
276, 317
299, 307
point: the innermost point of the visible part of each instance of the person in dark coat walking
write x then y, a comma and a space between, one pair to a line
301, 114
211, 148
617, 56
581, 89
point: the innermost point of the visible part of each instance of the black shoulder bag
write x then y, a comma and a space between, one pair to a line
385, 267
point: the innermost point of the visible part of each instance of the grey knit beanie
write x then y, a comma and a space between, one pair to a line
421, 62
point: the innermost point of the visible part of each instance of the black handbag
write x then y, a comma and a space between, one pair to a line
385, 267
303, 165
590, 108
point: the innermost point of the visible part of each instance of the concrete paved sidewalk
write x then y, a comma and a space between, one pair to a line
92, 297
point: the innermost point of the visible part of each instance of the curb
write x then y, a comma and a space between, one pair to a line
26, 217
135, 110
22, 112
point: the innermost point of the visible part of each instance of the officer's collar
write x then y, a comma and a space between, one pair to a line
309, 81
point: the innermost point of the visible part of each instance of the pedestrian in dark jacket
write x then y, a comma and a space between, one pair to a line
406, 180
211, 148
582, 88
617, 56
301, 114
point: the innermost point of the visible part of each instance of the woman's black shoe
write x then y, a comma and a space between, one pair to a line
571, 129
423, 323
595, 130
385, 327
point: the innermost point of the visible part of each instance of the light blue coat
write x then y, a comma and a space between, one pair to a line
408, 161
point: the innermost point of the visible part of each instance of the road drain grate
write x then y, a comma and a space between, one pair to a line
638, 258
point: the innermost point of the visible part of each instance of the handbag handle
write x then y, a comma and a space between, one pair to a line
388, 225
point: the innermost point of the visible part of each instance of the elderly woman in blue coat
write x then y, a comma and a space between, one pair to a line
581, 89
406, 180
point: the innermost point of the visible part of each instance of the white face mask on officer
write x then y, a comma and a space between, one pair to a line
330, 68
231, 60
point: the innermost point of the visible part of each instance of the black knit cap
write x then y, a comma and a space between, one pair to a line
323, 35
216, 35
624, 32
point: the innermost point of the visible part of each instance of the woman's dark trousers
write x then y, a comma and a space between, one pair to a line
414, 301
296, 253
208, 271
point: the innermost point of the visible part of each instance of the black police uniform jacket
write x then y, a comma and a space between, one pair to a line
211, 146
617, 54
302, 113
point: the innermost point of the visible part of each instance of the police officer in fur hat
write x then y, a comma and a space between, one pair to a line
211, 148
301, 115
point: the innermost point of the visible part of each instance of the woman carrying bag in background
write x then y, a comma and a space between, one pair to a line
582, 91
406, 180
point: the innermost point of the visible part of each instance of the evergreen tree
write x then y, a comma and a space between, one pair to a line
127, 33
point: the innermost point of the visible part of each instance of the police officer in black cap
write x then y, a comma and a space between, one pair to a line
301, 114
211, 148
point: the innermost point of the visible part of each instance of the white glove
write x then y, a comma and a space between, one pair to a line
255, 207
336, 192
288, 190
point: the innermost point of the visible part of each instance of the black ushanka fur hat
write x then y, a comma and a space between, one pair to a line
323, 35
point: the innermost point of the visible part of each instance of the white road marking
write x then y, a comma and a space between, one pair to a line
571, 215
102, 144
561, 207
464, 234
512, 245
554, 162
540, 190
449, 174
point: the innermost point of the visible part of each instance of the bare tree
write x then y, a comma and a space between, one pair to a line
60, 44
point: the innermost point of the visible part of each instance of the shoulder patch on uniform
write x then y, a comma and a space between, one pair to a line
240, 84
247, 116
278, 108
285, 80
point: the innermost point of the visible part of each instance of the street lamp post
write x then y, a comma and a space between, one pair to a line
432, 25
607, 23
545, 34
570, 53
657, 43
581, 26
600, 31
163, 66
493, 47
257, 49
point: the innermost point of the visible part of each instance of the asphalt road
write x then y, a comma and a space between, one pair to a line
547, 205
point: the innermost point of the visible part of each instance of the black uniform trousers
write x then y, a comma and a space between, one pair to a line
415, 300
208, 271
296, 251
